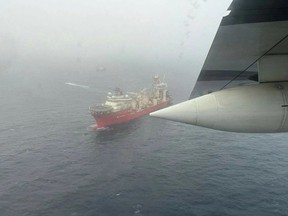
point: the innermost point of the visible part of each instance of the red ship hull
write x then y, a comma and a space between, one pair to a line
124, 116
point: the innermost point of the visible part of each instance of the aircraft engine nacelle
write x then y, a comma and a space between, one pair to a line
260, 108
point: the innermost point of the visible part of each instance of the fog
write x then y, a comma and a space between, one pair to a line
94, 36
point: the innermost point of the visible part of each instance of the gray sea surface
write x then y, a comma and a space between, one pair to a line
51, 165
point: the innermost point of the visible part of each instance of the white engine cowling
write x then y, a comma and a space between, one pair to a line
260, 108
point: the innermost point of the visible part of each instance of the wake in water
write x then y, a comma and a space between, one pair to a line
86, 87
77, 85
94, 128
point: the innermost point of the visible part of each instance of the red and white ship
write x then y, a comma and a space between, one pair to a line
120, 108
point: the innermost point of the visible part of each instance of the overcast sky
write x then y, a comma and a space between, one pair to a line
166, 30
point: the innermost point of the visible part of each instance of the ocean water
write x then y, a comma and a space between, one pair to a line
51, 165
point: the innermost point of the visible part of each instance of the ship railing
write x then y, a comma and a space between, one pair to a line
119, 99
100, 109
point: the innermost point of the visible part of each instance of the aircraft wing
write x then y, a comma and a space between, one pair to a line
253, 29
251, 45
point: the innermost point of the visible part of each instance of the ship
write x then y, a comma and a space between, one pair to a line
121, 108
